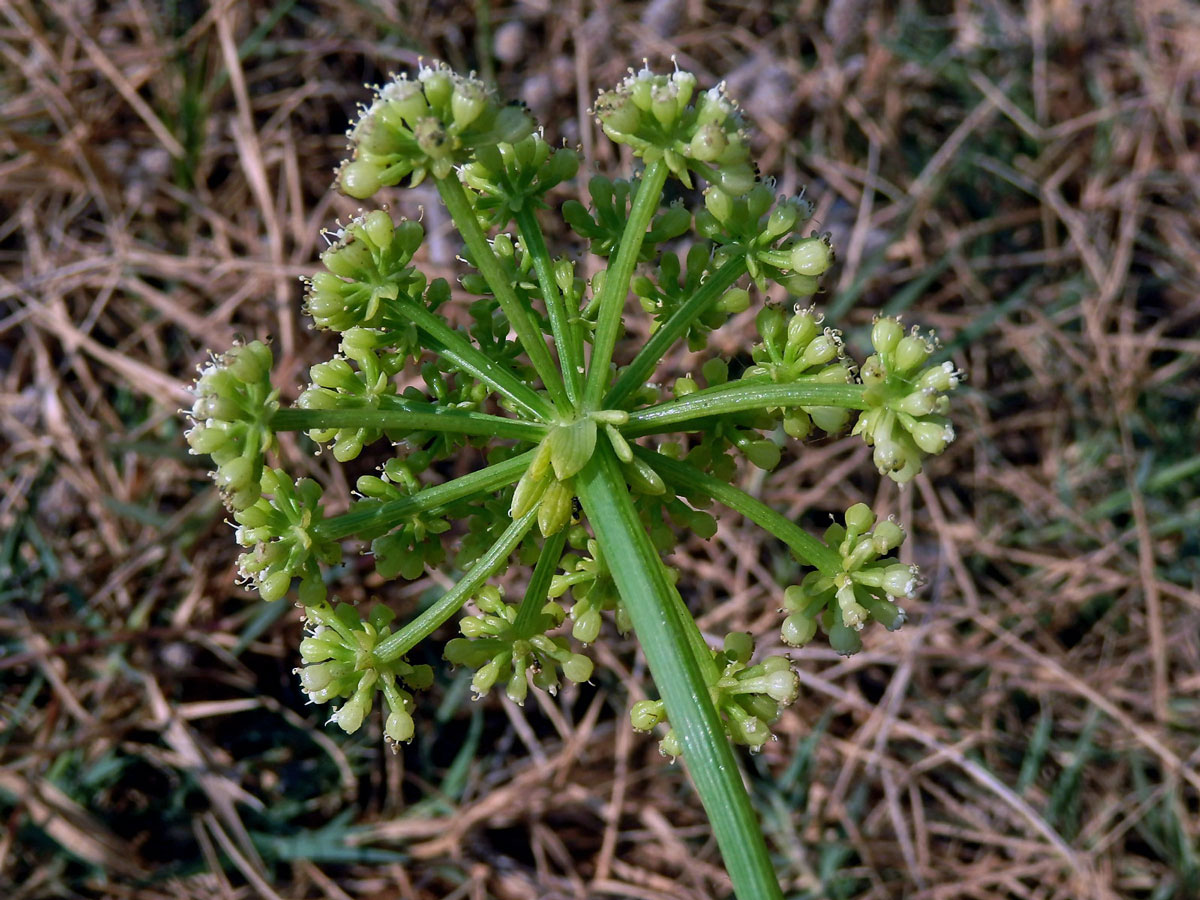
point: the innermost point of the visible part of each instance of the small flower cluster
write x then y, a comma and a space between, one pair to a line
369, 262
766, 228
281, 529
866, 587
501, 649
749, 697
512, 176
231, 420
907, 403
586, 576
340, 661
426, 126
656, 117
799, 349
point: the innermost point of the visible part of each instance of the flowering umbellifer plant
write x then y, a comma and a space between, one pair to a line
593, 466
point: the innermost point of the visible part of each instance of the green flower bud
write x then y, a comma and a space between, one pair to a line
719, 203
359, 179
887, 536
748, 730
467, 101
797, 424
587, 627
684, 386
918, 403
811, 257
932, 437
669, 745
798, 629
517, 688
900, 580
782, 686
617, 113
739, 646
843, 639
399, 727
911, 352
820, 350
734, 301
577, 668
709, 143
886, 334
485, 677
645, 714
764, 454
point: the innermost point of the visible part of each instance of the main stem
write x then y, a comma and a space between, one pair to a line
657, 616
616, 280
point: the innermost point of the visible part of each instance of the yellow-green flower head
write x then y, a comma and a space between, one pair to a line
749, 698
868, 585
661, 118
340, 659
231, 420
906, 418
429, 125
282, 530
366, 265
499, 651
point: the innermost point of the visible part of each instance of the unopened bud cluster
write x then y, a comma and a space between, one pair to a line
867, 587
663, 117
340, 662
748, 697
282, 531
428, 125
230, 420
500, 652
906, 416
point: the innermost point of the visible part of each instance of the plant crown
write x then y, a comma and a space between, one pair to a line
552, 426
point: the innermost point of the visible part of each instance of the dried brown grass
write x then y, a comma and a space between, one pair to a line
1032, 733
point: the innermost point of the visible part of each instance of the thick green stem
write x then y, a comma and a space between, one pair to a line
414, 417
724, 400
688, 479
373, 516
529, 334
397, 645
539, 584
642, 366
567, 339
657, 620
452, 346
617, 277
